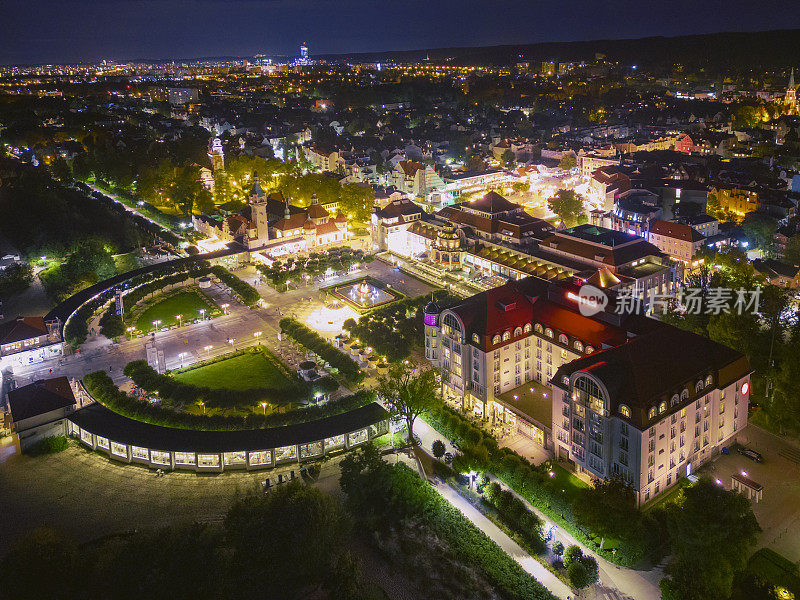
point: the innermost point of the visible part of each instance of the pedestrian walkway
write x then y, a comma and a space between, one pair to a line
509, 546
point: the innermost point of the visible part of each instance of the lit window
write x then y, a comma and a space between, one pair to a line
563, 339
589, 349
496, 339
538, 328
578, 346
518, 332
476, 338
662, 408
624, 411
506, 335
548, 332
651, 413
527, 328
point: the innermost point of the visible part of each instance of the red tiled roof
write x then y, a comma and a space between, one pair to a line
678, 231
22, 328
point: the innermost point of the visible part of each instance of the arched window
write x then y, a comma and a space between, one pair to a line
674, 400
518, 332
562, 339
578, 346
565, 380
538, 328
624, 411
496, 339
527, 328
506, 335
662, 408
699, 387
548, 332
589, 349
651, 413
476, 338
709, 380
685, 394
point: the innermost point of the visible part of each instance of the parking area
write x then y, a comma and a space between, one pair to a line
778, 512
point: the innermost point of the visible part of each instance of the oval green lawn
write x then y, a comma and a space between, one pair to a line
244, 372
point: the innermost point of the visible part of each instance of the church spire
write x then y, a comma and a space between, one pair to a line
257, 189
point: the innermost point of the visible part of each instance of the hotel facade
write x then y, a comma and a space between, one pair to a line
522, 356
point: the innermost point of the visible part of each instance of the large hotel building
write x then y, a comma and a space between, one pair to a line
611, 393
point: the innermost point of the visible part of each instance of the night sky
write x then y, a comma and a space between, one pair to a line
61, 31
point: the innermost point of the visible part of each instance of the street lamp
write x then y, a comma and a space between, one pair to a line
224, 308
264, 406
203, 404
156, 323
202, 312
180, 319
471, 476
257, 335
208, 349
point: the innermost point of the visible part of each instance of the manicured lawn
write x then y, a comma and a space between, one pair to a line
568, 482
243, 372
187, 304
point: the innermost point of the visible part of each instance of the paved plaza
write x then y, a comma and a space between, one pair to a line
87, 495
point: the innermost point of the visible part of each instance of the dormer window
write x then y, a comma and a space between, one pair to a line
527, 328
674, 400
699, 387
496, 339
651, 414
685, 394
589, 349
518, 332
563, 339
506, 336
538, 328
578, 346
548, 332
662, 408
709, 380
476, 338
625, 411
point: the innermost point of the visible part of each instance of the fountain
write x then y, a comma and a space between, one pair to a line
364, 295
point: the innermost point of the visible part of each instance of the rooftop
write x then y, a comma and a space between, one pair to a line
40, 397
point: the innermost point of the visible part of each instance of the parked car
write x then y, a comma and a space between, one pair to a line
751, 454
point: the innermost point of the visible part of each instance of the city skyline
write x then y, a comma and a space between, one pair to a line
78, 31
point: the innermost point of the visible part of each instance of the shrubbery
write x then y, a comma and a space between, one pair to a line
644, 539
102, 388
316, 343
384, 496
49, 445
516, 516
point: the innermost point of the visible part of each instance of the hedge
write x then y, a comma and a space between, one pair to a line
533, 484
316, 343
102, 388
77, 327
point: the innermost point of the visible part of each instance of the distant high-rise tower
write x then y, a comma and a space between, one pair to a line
303, 60
215, 154
790, 100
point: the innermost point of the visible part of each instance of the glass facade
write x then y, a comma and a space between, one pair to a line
208, 460
332, 443
160, 458
358, 437
234, 458
242, 458
285, 453
309, 450
184, 458
118, 449
264, 457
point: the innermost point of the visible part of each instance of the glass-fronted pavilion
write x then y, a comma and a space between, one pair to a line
131, 441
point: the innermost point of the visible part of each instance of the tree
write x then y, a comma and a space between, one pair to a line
15, 278
438, 448
508, 159
568, 205
408, 391
711, 536
558, 549
286, 537
40, 565
568, 161
608, 509
760, 231
583, 572
792, 253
